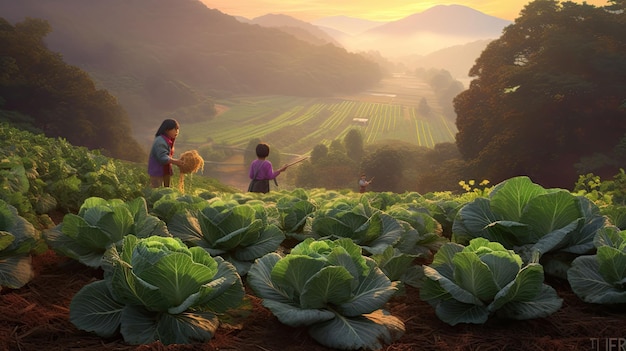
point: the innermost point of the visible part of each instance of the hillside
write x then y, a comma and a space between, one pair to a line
299, 29
170, 57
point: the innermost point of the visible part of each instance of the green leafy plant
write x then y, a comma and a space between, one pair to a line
18, 241
532, 220
426, 239
601, 278
469, 284
370, 228
100, 224
157, 289
294, 214
237, 233
40, 174
333, 290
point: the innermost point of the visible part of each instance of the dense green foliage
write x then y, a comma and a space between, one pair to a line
38, 90
396, 166
39, 175
546, 94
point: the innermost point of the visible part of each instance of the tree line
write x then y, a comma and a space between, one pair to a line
39, 92
548, 98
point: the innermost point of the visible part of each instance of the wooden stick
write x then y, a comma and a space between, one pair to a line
297, 161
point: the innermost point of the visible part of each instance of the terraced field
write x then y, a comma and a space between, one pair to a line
296, 125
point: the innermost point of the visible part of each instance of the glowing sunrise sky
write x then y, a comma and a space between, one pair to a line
375, 10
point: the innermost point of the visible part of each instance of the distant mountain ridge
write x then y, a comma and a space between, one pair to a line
434, 29
299, 29
421, 33
447, 37
445, 19
347, 25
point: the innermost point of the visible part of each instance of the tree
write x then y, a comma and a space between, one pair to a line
249, 154
353, 142
387, 166
319, 152
61, 100
423, 107
546, 94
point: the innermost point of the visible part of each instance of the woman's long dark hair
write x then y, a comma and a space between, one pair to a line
167, 125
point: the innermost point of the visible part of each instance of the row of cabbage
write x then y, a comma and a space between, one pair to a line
330, 261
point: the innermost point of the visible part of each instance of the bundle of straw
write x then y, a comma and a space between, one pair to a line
192, 162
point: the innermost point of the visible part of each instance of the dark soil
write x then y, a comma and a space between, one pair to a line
36, 317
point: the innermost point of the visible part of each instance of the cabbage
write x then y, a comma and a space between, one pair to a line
532, 221
238, 233
18, 240
331, 288
601, 278
157, 289
100, 224
365, 225
469, 284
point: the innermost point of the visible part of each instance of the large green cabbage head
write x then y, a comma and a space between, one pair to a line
99, 224
232, 232
157, 289
601, 278
531, 220
469, 284
331, 288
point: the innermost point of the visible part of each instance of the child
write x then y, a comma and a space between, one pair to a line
363, 183
261, 170
162, 154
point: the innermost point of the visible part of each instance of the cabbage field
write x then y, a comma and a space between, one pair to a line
90, 258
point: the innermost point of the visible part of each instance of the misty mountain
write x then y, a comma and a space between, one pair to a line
457, 60
299, 29
346, 25
443, 37
423, 33
455, 20
169, 57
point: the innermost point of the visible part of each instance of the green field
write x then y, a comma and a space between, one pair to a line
296, 125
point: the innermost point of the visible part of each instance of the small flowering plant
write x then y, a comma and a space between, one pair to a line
479, 189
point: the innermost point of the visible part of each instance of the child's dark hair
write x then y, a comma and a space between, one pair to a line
166, 125
262, 150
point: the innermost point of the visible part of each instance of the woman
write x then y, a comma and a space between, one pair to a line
162, 154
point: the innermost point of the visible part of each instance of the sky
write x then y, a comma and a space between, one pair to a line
375, 10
